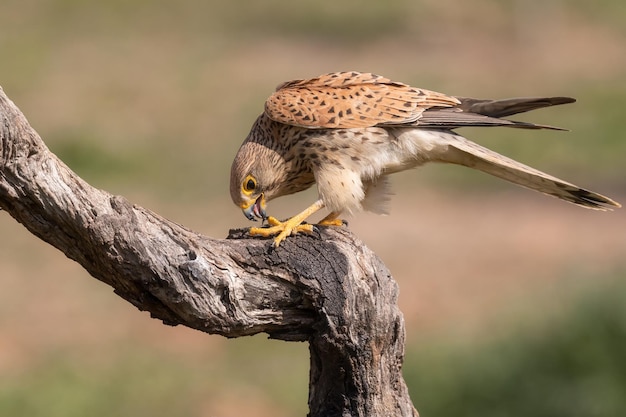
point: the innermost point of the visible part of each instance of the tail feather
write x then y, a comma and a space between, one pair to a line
464, 152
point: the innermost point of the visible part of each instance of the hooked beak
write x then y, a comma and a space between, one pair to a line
255, 209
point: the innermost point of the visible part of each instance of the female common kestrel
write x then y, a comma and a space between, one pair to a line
347, 131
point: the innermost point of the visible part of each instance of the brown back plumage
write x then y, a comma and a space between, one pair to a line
351, 100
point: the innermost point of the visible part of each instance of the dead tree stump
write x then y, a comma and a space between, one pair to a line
327, 289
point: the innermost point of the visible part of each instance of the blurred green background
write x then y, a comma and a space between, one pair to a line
514, 302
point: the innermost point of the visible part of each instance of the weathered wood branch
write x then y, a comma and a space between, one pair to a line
327, 289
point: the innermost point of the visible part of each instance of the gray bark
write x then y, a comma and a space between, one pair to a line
327, 288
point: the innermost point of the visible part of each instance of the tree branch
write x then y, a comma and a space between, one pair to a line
327, 289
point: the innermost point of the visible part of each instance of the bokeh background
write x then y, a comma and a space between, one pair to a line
515, 303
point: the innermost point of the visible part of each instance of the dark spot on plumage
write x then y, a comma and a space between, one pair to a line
408, 104
313, 156
331, 120
323, 103
298, 114
348, 111
355, 158
340, 113
331, 110
369, 95
307, 118
334, 149
342, 184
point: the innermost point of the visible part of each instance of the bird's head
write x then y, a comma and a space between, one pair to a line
255, 178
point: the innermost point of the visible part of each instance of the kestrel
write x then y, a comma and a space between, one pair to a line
348, 131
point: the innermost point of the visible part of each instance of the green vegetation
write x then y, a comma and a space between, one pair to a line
136, 381
137, 384
573, 367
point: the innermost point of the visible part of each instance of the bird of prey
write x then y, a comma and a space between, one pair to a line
348, 131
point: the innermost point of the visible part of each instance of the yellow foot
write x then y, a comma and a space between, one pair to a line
283, 229
333, 222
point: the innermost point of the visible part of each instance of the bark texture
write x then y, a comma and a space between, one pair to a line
327, 288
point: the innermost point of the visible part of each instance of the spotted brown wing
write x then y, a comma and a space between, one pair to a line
351, 100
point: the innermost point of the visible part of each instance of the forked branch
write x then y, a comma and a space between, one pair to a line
327, 289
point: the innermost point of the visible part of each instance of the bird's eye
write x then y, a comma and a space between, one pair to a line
249, 184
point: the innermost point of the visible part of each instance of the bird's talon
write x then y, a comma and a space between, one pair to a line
280, 229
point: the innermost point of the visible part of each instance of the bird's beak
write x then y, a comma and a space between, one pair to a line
254, 209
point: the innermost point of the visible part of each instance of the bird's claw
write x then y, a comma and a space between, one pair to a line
281, 229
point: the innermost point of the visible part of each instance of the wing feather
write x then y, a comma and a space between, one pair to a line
447, 118
351, 100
